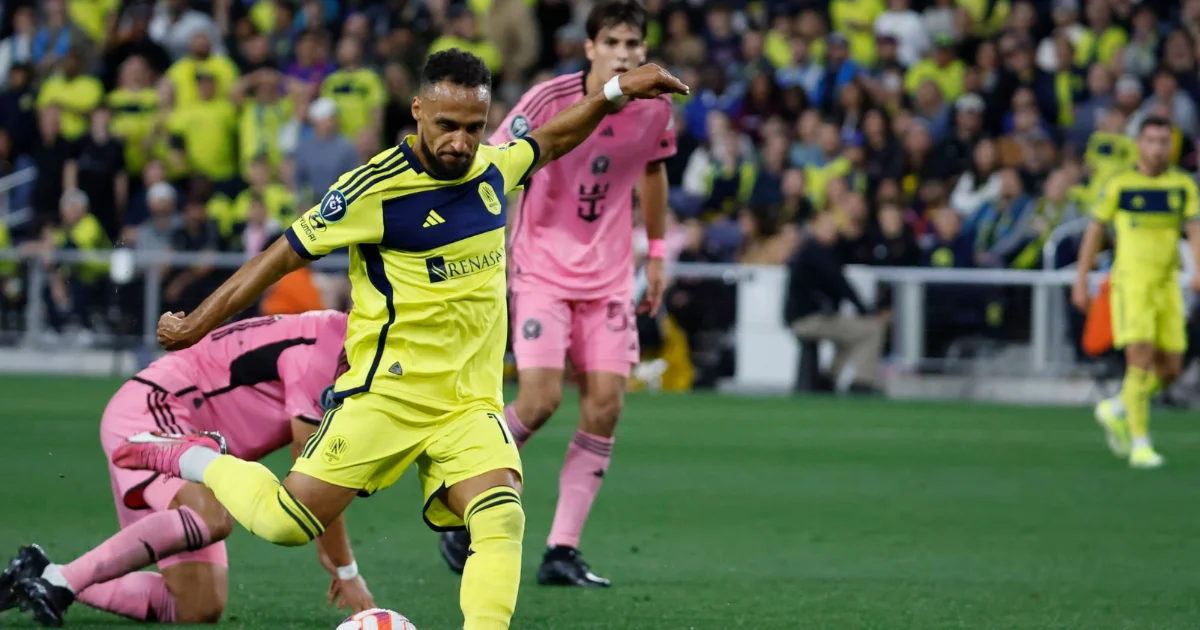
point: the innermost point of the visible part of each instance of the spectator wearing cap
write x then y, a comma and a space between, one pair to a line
569, 42
944, 69
840, 69
905, 27
135, 113
952, 155
74, 93
175, 26
203, 134
18, 47
462, 32
357, 91
856, 19
201, 60
1102, 40
322, 157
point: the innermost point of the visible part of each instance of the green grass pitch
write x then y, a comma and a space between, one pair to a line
725, 512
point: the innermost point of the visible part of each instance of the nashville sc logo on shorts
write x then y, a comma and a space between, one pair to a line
442, 269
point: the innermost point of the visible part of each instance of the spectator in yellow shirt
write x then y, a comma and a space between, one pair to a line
262, 119
943, 69
358, 91
74, 94
278, 200
856, 18
93, 16
204, 133
77, 288
462, 32
184, 74
135, 113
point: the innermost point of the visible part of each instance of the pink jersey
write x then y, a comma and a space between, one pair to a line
572, 235
250, 378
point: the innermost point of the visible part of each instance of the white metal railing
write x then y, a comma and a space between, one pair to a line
8, 214
1048, 331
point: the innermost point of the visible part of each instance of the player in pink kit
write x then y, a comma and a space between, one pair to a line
260, 383
571, 273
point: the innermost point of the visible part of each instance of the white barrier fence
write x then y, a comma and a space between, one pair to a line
767, 355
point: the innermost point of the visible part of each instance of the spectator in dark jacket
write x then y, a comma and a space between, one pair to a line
816, 290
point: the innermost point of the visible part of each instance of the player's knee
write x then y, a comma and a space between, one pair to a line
544, 403
497, 517
601, 412
201, 500
288, 524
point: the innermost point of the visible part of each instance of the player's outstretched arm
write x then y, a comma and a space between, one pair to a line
574, 124
239, 292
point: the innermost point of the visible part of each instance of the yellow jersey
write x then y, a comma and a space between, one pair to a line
1147, 214
76, 98
278, 199
86, 236
356, 93
91, 16
207, 132
182, 75
8, 268
481, 48
948, 79
258, 133
427, 270
134, 116
855, 19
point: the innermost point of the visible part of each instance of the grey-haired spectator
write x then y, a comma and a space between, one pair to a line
175, 25
323, 156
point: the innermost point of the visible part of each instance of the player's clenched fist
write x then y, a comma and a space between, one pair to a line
649, 81
173, 332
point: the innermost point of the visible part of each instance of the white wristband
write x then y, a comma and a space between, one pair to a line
348, 572
612, 89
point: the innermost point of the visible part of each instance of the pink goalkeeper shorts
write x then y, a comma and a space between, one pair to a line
141, 406
598, 335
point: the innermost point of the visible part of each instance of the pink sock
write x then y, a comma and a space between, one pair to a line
519, 431
582, 473
142, 595
138, 546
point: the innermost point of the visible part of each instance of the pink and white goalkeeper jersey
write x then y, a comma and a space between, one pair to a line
248, 380
573, 233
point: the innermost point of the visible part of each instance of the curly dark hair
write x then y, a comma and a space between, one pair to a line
456, 66
615, 13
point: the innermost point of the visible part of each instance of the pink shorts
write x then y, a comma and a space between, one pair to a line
598, 335
142, 406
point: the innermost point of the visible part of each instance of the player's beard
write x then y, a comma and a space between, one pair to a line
438, 168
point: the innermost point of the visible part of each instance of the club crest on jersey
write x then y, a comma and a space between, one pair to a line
1175, 199
519, 126
600, 165
491, 201
335, 450
333, 206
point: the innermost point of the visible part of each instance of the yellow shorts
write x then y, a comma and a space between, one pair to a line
367, 443
1149, 313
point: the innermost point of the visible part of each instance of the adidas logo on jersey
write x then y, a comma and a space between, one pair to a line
607, 132
432, 219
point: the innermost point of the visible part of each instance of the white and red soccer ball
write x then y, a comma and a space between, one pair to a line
377, 619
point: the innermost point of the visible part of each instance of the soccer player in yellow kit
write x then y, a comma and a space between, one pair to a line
425, 224
1148, 208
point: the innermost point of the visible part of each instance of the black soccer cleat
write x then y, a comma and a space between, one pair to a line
456, 548
29, 562
563, 566
47, 602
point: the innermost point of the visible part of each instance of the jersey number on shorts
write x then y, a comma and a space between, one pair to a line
620, 317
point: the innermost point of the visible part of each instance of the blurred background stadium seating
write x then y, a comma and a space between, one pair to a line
946, 152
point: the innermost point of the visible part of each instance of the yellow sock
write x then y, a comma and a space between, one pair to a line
1135, 395
1154, 383
488, 595
260, 503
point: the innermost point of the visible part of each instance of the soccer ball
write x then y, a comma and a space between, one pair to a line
377, 619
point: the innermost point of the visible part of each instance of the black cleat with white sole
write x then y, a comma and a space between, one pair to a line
456, 548
29, 562
47, 602
564, 566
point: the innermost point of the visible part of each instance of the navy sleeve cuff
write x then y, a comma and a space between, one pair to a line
537, 155
297, 246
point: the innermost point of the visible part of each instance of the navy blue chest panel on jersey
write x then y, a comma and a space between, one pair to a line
426, 220
260, 365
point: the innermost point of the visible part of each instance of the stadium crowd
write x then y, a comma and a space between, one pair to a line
944, 133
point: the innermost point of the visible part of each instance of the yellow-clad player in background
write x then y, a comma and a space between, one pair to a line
1148, 208
425, 224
